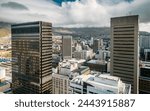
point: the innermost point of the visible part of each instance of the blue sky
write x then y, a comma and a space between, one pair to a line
59, 2
74, 13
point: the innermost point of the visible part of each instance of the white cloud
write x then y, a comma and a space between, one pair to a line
79, 14
144, 27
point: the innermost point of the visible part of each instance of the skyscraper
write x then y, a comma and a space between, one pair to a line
67, 47
96, 45
31, 58
125, 50
144, 79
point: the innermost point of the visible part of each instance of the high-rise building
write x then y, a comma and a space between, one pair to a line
96, 45
92, 40
144, 41
144, 80
31, 58
67, 47
98, 84
125, 50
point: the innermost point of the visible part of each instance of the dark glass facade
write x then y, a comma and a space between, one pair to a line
32, 58
144, 82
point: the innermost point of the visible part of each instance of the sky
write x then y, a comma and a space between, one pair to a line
74, 13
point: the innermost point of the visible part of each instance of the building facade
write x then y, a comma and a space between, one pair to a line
31, 58
67, 70
60, 84
144, 80
144, 41
67, 47
97, 65
125, 50
99, 84
96, 45
83, 54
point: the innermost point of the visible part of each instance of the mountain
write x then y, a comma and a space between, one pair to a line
4, 32
5, 29
5, 25
83, 32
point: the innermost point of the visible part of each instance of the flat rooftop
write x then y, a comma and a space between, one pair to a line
97, 79
81, 69
97, 62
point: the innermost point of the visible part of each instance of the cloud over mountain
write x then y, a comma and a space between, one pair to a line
81, 13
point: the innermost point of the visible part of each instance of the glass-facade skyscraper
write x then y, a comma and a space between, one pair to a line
31, 58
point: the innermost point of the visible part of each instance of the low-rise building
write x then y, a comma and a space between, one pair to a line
2, 74
97, 65
8, 68
84, 54
4, 83
67, 70
98, 84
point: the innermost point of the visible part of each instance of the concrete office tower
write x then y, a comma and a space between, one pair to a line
98, 84
125, 50
96, 45
31, 58
67, 47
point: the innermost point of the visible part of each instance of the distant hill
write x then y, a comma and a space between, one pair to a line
4, 32
4, 29
87, 32
5, 25
84, 32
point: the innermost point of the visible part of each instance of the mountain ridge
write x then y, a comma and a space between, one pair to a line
82, 32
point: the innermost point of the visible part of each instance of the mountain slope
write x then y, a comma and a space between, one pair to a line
4, 32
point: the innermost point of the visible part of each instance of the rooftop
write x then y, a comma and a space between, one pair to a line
96, 62
98, 79
103, 82
81, 69
70, 63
